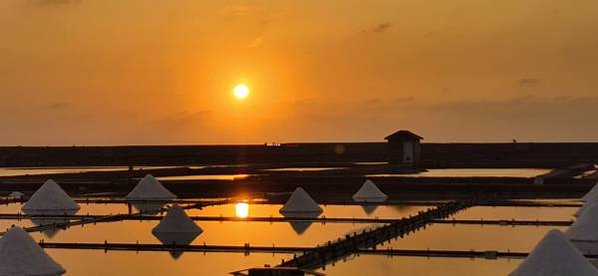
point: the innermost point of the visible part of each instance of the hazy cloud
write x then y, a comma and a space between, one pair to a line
58, 105
238, 10
256, 42
56, 2
382, 27
528, 82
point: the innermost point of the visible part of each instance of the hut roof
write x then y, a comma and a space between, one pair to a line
149, 188
369, 192
554, 255
50, 197
403, 134
21, 255
300, 202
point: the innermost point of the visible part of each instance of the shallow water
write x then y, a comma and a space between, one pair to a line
96, 262
15, 171
330, 211
471, 173
476, 237
305, 169
418, 266
436, 236
206, 177
518, 213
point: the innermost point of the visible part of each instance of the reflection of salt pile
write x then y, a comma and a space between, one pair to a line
176, 228
301, 205
369, 208
41, 218
149, 195
50, 197
584, 232
554, 255
369, 192
21, 255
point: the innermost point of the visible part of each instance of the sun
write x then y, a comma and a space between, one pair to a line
241, 91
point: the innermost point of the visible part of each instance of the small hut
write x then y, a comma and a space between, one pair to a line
405, 148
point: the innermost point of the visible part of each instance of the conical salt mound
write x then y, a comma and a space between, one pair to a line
149, 188
554, 255
583, 233
586, 226
369, 192
585, 206
590, 194
21, 255
50, 197
177, 221
53, 225
300, 202
176, 228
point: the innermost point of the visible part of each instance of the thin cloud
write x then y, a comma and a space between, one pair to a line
528, 82
58, 105
256, 42
56, 2
238, 10
382, 27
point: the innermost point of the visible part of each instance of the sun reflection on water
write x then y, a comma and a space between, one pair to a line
242, 210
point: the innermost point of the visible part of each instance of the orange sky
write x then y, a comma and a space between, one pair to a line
162, 72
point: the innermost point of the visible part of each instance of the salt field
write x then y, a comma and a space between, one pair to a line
281, 234
238, 233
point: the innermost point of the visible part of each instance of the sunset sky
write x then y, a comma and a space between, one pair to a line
105, 72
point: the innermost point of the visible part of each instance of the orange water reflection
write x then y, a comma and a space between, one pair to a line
242, 210
437, 236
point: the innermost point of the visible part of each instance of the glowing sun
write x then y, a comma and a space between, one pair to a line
241, 91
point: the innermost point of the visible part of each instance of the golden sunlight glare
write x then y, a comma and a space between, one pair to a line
241, 91
242, 210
